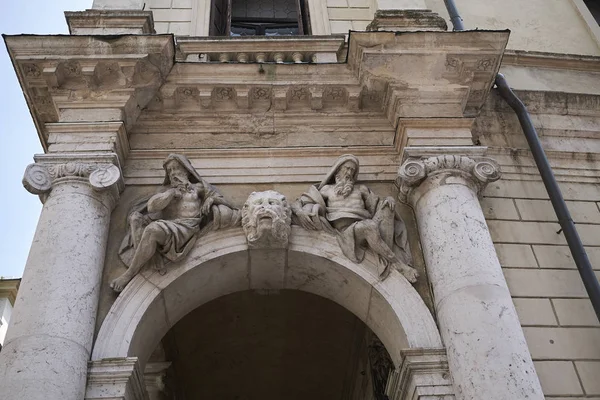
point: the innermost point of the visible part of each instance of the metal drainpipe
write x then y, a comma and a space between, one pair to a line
455, 18
590, 281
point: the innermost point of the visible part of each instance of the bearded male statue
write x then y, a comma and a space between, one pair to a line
357, 217
164, 228
267, 219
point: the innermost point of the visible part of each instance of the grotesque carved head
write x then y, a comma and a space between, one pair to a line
266, 219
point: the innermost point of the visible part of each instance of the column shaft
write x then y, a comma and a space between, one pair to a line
49, 341
487, 352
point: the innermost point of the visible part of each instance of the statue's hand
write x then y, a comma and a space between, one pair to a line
207, 205
175, 193
306, 221
389, 202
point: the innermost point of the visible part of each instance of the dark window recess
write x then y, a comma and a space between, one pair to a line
594, 7
259, 18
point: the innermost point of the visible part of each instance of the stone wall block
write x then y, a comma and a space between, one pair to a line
588, 372
563, 343
515, 255
558, 378
575, 312
535, 312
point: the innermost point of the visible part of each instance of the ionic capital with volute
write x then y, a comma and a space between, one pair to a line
102, 175
475, 172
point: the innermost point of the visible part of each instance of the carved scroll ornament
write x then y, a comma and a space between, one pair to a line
39, 178
477, 172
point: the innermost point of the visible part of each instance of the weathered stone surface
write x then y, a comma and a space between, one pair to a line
103, 22
407, 20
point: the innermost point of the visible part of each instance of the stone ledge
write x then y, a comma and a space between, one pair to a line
115, 378
110, 22
423, 375
551, 60
407, 20
9, 289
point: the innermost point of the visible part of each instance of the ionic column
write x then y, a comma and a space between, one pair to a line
50, 338
487, 353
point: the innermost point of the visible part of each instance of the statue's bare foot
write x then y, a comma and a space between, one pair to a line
409, 273
119, 284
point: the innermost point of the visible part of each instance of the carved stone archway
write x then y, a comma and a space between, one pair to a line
222, 264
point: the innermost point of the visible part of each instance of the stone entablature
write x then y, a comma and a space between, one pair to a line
385, 74
89, 78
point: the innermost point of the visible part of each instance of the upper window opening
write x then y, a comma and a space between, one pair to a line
594, 7
258, 18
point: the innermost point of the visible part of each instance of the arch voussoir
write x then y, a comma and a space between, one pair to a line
222, 264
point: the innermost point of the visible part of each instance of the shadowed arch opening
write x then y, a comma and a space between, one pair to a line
222, 264
273, 344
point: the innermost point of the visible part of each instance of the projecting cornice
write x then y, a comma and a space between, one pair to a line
9, 289
89, 78
247, 91
428, 74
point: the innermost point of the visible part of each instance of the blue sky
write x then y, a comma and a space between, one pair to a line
19, 210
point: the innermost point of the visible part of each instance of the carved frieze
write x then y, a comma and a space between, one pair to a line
223, 93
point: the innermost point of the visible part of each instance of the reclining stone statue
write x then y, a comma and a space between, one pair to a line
165, 227
358, 218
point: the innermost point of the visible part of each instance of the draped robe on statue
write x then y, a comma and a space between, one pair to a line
182, 233
391, 227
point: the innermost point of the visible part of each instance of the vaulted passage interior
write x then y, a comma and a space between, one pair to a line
283, 344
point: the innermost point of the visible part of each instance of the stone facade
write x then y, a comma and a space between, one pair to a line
358, 210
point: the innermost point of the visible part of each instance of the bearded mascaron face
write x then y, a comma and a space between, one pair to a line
266, 219
344, 179
178, 175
